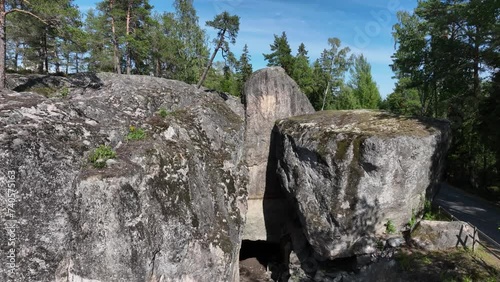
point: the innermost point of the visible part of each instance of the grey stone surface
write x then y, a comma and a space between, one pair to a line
442, 235
170, 207
270, 94
349, 172
395, 242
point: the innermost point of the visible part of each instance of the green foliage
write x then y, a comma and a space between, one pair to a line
244, 70
49, 40
302, 72
281, 54
136, 133
380, 245
347, 99
413, 219
404, 260
390, 228
64, 92
334, 62
100, 155
227, 27
163, 113
364, 88
451, 265
447, 63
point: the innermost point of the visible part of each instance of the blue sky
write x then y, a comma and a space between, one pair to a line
363, 25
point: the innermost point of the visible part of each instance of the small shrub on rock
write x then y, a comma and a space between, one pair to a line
389, 227
163, 113
135, 133
65, 92
100, 155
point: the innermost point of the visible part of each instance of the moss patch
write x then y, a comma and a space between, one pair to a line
365, 122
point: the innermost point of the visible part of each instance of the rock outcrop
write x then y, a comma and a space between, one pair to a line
169, 207
442, 235
270, 94
351, 173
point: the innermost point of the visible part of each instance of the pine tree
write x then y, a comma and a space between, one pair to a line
228, 27
244, 70
364, 88
445, 52
301, 71
281, 54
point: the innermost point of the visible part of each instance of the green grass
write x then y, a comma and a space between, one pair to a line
413, 219
431, 214
100, 155
454, 265
136, 133
405, 261
163, 113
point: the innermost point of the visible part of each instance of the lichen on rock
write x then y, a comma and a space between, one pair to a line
170, 207
348, 172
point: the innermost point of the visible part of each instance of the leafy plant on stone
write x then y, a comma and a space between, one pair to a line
428, 213
390, 228
163, 113
413, 219
100, 155
135, 133
64, 92
380, 245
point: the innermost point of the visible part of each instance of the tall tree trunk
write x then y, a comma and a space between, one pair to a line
116, 59
324, 95
477, 82
40, 57
16, 56
157, 68
2, 44
129, 8
205, 72
77, 65
45, 54
68, 57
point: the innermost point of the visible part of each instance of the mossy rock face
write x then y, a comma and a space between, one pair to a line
171, 202
350, 172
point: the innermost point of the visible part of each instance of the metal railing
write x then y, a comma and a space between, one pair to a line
475, 236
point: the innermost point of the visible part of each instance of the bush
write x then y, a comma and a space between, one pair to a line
100, 155
389, 227
135, 133
413, 219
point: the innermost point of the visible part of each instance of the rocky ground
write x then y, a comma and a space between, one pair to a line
134, 178
404, 264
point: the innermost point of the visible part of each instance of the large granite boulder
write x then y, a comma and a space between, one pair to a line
442, 235
169, 207
270, 94
351, 173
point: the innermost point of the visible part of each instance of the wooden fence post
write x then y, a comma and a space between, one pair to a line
474, 240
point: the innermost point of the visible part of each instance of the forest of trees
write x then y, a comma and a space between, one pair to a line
129, 37
446, 62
